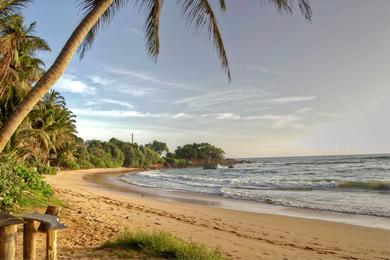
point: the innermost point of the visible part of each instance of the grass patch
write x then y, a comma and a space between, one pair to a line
37, 199
161, 244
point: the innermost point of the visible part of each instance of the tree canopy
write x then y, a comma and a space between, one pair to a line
198, 152
159, 147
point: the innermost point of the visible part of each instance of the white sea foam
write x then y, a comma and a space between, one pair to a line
349, 184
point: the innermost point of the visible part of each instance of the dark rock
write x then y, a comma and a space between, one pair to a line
210, 166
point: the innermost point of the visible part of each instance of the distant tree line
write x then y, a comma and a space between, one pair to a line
117, 153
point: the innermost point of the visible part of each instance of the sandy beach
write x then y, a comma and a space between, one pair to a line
94, 214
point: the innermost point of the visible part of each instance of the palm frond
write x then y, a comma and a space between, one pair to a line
7, 46
153, 9
10, 7
87, 6
287, 6
200, 15
306, 9
222, 5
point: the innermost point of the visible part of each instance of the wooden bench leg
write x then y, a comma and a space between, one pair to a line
29, 240
8, 242
51, 244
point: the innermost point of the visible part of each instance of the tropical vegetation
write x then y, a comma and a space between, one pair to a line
20, 184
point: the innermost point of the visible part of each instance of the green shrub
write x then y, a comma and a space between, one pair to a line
18, 181
48, 170
172, 162
162, 244
71, 165
104, 154
11, 184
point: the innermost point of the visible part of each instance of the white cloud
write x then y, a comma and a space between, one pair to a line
121, 87
133, 90
116, 102
181, 115
304, 110
100, 80
277, 121
228, 116
239, 96
283, 121
70, 83
146, 78
289, 99
126, 113
109, 113
217, 98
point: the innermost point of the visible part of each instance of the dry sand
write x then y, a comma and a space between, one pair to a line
94, 214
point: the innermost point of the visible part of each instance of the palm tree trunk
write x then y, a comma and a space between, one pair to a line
53, 74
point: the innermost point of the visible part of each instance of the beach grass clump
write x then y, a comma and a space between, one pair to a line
161, 244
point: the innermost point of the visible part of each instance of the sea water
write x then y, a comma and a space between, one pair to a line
358, 184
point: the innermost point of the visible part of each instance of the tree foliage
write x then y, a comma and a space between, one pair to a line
159, 147
18, 180
199, 152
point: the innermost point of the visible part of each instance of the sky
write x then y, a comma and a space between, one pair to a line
298, 88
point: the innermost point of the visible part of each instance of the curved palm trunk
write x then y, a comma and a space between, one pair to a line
53, 74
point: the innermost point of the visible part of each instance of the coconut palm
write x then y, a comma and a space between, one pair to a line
11, 7
23, 69
199, 15
52, 117
20, 69
49, 130
8, 9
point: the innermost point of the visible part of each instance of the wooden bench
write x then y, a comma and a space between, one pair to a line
8, 232
52, 224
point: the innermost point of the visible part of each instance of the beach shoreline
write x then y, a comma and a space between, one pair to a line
113, 182
238, 234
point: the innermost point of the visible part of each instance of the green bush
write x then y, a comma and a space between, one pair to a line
162, 244
17, 181
11, 184
47, 170
71, 165
171, 161
104, 154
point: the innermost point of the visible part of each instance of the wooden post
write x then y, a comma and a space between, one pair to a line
8, 242
51, 244
51, 210
29, 240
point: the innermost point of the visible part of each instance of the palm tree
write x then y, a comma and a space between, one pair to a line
199, 14
20, 69
11, 7
8, 9
52, 117
49, 130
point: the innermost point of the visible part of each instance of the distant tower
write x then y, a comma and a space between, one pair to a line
132, 138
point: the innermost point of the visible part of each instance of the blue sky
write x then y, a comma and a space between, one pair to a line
298, 88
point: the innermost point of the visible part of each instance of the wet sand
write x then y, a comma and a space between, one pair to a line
97, 210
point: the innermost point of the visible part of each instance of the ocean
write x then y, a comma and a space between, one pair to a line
356, 184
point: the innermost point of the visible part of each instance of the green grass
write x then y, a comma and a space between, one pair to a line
161, 244
33, 199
